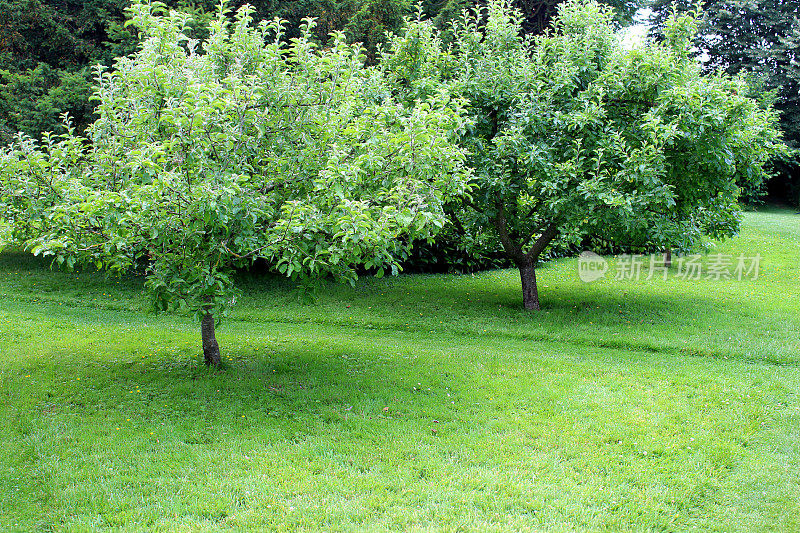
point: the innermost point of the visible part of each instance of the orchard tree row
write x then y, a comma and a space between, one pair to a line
209, 154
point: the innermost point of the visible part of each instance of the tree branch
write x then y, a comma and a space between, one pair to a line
512, 249
545, 238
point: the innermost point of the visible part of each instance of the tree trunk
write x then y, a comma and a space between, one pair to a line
530, 293
210, 347
525, 261
668, 257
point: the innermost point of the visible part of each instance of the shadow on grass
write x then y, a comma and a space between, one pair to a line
482, 294
298, 383
670, 316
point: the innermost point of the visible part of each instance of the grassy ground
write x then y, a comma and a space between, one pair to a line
415, 403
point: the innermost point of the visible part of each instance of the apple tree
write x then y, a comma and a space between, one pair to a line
209, 155
574, 135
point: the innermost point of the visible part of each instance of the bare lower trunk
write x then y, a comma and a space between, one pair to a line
525, 260
668, 257
530, 293
210, 347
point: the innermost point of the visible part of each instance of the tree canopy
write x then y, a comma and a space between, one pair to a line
208, 155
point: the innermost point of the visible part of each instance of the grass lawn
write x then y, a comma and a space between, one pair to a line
416, 403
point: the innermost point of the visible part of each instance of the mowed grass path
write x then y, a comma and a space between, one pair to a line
414, 403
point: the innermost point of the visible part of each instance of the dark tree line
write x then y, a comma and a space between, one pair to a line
48, 47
